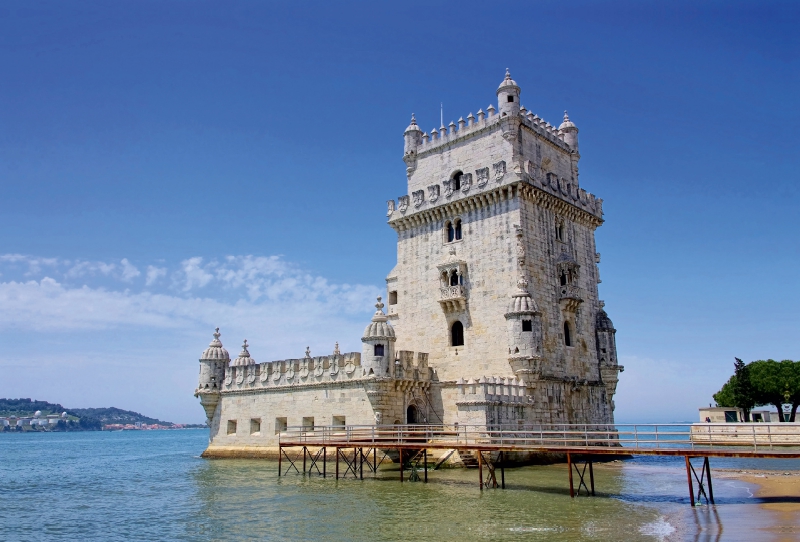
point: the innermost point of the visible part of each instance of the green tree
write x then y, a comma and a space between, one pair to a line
772, 381
738, 390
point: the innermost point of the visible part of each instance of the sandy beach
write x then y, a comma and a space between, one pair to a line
778, 494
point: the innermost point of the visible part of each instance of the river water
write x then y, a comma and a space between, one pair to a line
152, 485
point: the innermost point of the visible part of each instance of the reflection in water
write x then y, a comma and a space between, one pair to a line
152, 486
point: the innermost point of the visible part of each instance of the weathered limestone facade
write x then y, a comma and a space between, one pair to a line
493, 314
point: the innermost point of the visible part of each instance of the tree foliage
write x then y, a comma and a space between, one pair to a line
762, 382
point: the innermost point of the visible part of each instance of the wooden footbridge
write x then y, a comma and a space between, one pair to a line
493, 446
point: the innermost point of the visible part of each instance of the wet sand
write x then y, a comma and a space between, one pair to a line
778, 495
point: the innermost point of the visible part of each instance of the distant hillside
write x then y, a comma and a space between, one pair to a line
115, 415
27, 407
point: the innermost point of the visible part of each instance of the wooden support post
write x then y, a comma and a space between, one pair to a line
361, 463
689, 477
480, 469
569, 466
425, 460
280, 456
502, 471
401, 464
337, 462
710, 489
375, 461
591, 475
304, 459
324, 461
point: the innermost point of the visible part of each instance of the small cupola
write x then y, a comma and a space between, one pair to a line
244, 358
215, 350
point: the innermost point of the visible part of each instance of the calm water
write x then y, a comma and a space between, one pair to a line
151, 485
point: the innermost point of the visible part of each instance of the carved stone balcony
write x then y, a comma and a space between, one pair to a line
453, 298
570, 297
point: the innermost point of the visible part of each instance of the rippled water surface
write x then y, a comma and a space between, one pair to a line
152, 485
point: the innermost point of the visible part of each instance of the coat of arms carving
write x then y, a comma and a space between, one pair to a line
466, 182
390, 207
448, 187
499, 170
433, 192
419, 198
402, 203
483, 176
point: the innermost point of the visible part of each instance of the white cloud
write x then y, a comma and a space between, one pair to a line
129, 271
241, 291
154, 274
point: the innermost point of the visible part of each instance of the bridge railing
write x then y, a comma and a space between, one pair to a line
754, 436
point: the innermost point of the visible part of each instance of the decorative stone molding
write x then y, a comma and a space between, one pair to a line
419, 198
433, 193
466, 182
499, 170
402, 203
482, 175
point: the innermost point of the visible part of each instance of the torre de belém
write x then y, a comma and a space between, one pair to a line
492, 313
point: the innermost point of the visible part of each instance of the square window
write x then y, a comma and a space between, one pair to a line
255, 426
527, 325
510, 99
339, 421
231, 427
308, 423
280, 425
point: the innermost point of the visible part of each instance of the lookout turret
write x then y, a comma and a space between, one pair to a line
213, 362
508, 97
378, 339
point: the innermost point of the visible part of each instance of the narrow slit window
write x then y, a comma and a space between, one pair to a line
457, 181
567, 335
458, 230
451, 232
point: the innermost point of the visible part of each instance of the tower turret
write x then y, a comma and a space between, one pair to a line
213, 362
378, 349
570, 132
508, 97
412, 137
607, 353
524, 326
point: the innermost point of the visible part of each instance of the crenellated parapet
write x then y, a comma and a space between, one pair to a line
492, 391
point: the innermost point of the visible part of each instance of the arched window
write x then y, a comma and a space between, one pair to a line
563, 278
457, 181
454, 278
458, 230
379, 350
457, 334
451, 232
567, 335
559, 231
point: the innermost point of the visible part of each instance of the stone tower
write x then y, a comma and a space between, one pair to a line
496, 274
493, 315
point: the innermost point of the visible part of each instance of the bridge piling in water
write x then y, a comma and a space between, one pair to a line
581, 444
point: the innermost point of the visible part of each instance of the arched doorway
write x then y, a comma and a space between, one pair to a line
412, 414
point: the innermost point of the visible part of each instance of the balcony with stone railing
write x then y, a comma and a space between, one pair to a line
569, 295
453, 298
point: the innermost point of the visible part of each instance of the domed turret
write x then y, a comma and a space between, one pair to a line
508, 97
244, 358
412, 138
212, 372
524, 329
378, 348
570, 132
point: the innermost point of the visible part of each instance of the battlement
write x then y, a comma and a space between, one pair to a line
321, 370
448, 135
492, 390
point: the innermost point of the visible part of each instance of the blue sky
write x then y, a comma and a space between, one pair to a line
167, 167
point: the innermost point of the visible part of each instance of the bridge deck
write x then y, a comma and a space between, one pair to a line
579, 443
